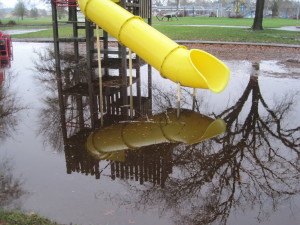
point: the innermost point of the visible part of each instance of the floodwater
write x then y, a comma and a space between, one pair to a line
229, 158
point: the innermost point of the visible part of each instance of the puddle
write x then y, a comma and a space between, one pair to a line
288, 28
12, 32
229, 158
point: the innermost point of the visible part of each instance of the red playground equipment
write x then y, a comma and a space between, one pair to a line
6, 50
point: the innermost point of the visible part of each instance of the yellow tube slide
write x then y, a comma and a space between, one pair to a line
192, 68
189, 128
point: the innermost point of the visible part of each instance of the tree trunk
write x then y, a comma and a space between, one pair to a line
257, 24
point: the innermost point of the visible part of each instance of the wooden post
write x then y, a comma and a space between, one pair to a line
130, 83
100, 75
178, 99
194, 98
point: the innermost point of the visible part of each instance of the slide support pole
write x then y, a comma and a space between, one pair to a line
100, 75
130, 83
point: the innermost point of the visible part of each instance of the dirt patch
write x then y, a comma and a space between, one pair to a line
248, 52
286, 56
243, 52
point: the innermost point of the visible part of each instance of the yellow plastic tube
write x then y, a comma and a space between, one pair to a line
189, 128
193, 68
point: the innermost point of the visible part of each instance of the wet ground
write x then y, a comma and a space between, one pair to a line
229, 158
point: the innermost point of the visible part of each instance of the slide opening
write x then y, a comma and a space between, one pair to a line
213, 71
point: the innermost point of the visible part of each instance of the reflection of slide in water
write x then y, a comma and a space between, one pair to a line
189, 128
192, 68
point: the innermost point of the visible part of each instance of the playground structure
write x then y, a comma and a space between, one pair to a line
193, 68
6, 54
114, 60
80, 107
6, 50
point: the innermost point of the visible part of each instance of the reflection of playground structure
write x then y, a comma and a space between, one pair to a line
140, 148
83, 109
189, 128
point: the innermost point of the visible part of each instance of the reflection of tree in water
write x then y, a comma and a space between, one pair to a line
255, 164
10, 187
9, 107
50, 115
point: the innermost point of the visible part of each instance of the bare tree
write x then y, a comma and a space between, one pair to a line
20, 9
10, 187
9, 108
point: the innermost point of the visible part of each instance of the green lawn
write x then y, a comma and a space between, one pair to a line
267, 22
229, 34
186, 32
30, 21
64, 31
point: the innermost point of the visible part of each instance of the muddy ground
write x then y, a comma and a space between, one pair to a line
244, 52
287, 56
248, 52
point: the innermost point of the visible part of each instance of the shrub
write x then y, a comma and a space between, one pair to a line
11, 23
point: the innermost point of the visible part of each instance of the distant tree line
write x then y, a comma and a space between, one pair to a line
262, 8
27, 8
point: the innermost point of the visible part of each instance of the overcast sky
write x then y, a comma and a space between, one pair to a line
12, 3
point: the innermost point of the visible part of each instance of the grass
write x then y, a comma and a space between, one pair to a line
30, 21
185, 32
267, 22
230, 34
65, 31
20, 218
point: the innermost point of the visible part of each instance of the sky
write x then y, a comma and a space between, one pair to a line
12, 3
